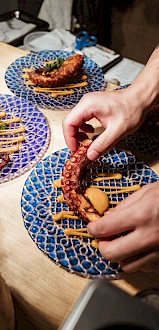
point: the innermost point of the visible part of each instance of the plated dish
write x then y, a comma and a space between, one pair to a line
39, 205
24, 136
17, 82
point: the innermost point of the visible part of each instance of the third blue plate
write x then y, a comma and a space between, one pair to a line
37, 136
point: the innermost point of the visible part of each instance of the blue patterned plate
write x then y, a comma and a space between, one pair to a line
37, 136
16, 82
39, 202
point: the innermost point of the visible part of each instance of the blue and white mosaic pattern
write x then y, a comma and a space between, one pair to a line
37, 136
39, 202
16, 83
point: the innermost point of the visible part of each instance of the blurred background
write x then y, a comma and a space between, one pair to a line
131, 28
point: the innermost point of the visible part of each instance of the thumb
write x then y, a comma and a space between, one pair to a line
102, 144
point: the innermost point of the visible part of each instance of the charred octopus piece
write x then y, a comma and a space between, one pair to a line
69, 68
4, 159
73, 190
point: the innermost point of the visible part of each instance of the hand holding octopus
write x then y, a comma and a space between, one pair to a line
121, 112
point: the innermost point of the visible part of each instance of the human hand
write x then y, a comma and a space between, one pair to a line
138, 217
119, 112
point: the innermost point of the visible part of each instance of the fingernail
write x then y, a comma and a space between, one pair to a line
92, 155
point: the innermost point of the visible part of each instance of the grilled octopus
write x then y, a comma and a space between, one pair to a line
4, 159
69, 68
72, 184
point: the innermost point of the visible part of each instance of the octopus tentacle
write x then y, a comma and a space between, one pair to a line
72, 184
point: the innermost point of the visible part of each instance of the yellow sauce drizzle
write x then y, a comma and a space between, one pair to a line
18, 138
12, 131
94, 243
30, 83
119, 189
25, 76
112, 202
2, 114
12, 120
60, 199
27, 70
76, 232
84, 77
49, 90
57, 183
10, 149
112, 176
61, 93
64, 214
107, 175
12, 140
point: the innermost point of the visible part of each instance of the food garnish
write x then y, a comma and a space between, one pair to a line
3, 125
50, 66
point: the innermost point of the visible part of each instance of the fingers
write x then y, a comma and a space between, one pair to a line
74, 120
119, 248
133, 266
103, 143
114, 223
70, 135
129, 246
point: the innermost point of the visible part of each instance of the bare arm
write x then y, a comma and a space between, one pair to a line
119, 112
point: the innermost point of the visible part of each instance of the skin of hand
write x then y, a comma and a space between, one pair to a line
134, 228
120, 112
115, 112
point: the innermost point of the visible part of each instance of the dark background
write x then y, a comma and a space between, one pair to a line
131, 27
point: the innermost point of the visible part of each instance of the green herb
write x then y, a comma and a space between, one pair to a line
3, 125
55, 64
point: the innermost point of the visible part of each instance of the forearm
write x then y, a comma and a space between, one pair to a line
146, 86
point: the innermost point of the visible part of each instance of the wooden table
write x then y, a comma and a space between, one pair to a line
45, 291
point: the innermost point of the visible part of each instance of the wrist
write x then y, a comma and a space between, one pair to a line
146, 85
